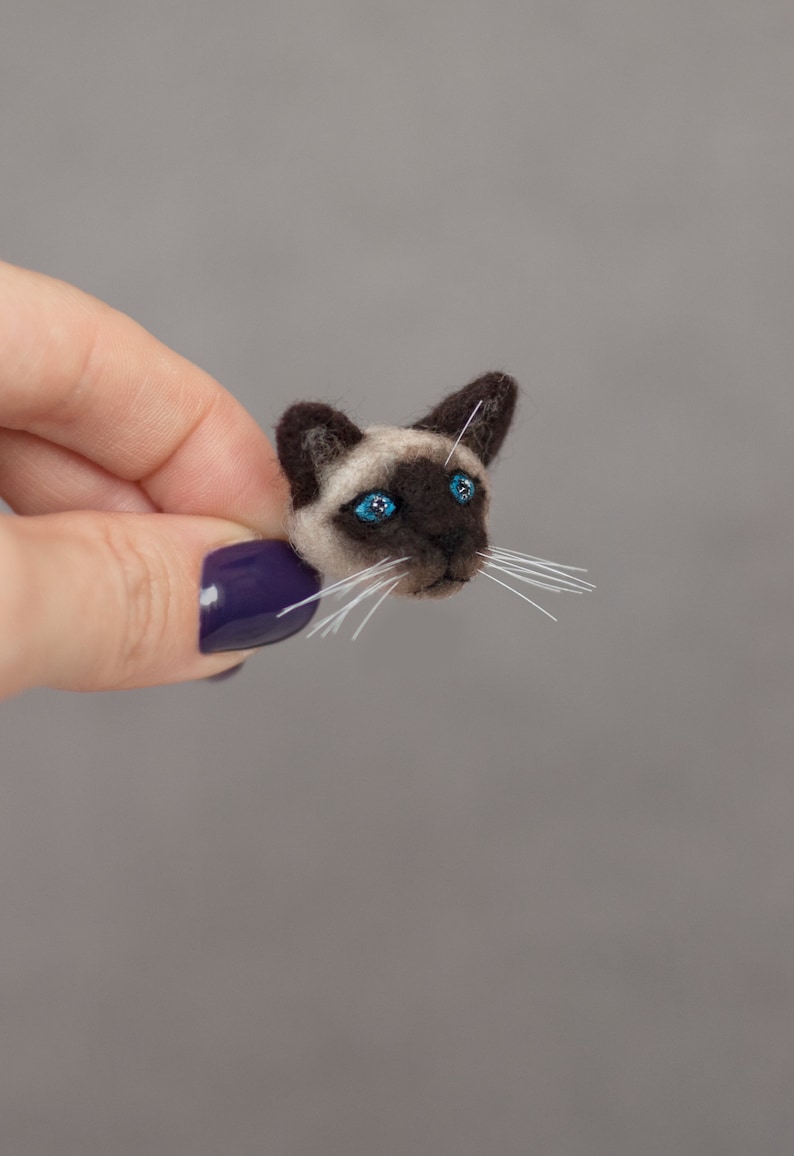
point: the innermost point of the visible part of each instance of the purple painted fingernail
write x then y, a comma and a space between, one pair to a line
244, 587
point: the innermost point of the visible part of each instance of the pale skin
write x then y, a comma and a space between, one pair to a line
126, 465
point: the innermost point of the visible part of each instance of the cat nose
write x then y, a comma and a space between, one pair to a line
449, 542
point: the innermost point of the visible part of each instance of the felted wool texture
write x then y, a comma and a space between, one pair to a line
310, 435
498, 393
442, 538
331, 464
367, 466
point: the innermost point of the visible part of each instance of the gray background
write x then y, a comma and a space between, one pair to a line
477, 883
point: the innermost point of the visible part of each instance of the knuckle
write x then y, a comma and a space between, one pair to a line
143, 591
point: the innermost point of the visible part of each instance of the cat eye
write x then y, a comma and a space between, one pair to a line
462, 488
375, 507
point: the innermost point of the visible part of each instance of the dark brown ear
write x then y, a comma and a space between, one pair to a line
309, 436
486, 430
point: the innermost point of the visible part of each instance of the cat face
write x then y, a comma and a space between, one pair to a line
418, 495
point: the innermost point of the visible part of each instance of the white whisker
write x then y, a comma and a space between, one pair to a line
383, 596
333, 621
511, 573
390, 582
336, 617
541, 578
342, 614
537, 561
331, 618
341, 587
327, 622
518, 592
561, 566
462, 432
553, 572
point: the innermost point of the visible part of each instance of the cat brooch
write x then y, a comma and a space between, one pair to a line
387, 510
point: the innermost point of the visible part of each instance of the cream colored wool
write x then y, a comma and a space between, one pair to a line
367, 466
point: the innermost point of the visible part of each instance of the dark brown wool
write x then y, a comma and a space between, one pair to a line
440, 533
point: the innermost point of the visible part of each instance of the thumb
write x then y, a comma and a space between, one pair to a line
103, 601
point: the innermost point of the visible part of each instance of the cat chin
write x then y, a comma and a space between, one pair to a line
441, 588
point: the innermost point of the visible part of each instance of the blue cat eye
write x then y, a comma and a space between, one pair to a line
375, 507
462, 488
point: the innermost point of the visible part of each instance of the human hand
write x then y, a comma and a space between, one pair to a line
138, 466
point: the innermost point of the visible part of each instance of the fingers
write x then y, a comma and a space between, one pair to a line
38, 477
95, 414
76, 373
95, 601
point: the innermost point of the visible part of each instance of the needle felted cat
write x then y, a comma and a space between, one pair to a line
388, 510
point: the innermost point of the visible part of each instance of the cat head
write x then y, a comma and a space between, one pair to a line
412, 499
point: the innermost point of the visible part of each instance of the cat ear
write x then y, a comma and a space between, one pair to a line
309, 437
497, 393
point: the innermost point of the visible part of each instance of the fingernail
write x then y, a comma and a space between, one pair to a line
243, 589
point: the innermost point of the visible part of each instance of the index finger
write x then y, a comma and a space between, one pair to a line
82, 375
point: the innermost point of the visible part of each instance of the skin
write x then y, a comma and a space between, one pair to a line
128, 465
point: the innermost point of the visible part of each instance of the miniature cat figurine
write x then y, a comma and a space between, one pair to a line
404, 511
